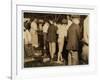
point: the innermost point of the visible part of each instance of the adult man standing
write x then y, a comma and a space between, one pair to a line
73, 38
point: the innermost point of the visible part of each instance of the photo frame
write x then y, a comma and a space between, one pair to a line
19, 72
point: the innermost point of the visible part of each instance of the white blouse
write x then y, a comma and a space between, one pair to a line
45, 28
27, 37
33, 26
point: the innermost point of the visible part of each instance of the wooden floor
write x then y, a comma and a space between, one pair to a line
35, 58
41, 62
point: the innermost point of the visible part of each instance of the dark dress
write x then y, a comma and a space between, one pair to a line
52, 33
73, 37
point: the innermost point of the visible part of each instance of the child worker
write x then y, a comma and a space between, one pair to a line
62, 34
52, 31
45, 32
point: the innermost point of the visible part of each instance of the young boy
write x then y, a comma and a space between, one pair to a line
52, 30
45, 32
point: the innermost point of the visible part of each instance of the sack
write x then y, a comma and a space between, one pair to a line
28, 50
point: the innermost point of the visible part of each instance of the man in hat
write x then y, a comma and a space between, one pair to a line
73, 38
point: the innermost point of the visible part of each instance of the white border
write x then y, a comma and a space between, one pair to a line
19, 73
